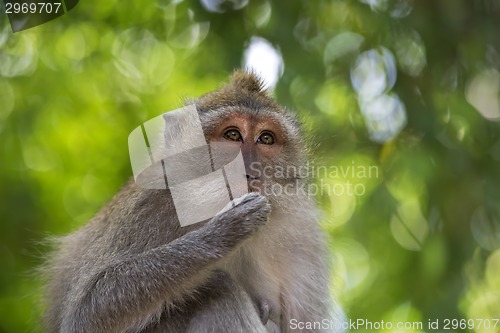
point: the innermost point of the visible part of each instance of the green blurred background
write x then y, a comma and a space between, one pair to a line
409, 89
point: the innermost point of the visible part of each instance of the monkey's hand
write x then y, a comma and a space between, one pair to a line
238, 221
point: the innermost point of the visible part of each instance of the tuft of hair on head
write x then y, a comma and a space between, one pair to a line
247, 80
245, 88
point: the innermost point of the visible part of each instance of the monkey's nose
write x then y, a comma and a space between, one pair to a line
250, 177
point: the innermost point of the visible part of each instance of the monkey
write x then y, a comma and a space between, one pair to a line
253, 267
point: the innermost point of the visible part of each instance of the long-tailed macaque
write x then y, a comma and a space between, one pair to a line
252, 268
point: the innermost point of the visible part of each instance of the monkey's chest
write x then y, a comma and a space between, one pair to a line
261, 278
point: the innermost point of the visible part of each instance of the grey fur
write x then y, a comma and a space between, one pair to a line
132, 268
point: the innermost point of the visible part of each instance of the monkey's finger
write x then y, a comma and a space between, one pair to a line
252, 199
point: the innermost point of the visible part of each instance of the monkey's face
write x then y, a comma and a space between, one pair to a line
269, 141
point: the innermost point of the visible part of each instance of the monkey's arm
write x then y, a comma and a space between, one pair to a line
132, 289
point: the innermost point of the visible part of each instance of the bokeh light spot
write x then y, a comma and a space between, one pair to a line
483, 93
485, 227
408, 226
144, 62
411, 55
192, 36
342, 44
353, 263
373, 72
220, 6
19, 55
261, 57
385, 116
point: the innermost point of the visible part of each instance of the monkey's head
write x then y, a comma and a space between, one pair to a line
242, 113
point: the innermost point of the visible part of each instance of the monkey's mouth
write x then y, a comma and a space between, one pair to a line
254, 183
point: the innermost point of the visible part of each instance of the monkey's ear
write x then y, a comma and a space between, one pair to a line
247, 80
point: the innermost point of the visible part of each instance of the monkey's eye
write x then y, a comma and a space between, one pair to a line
233, 135
266, 138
